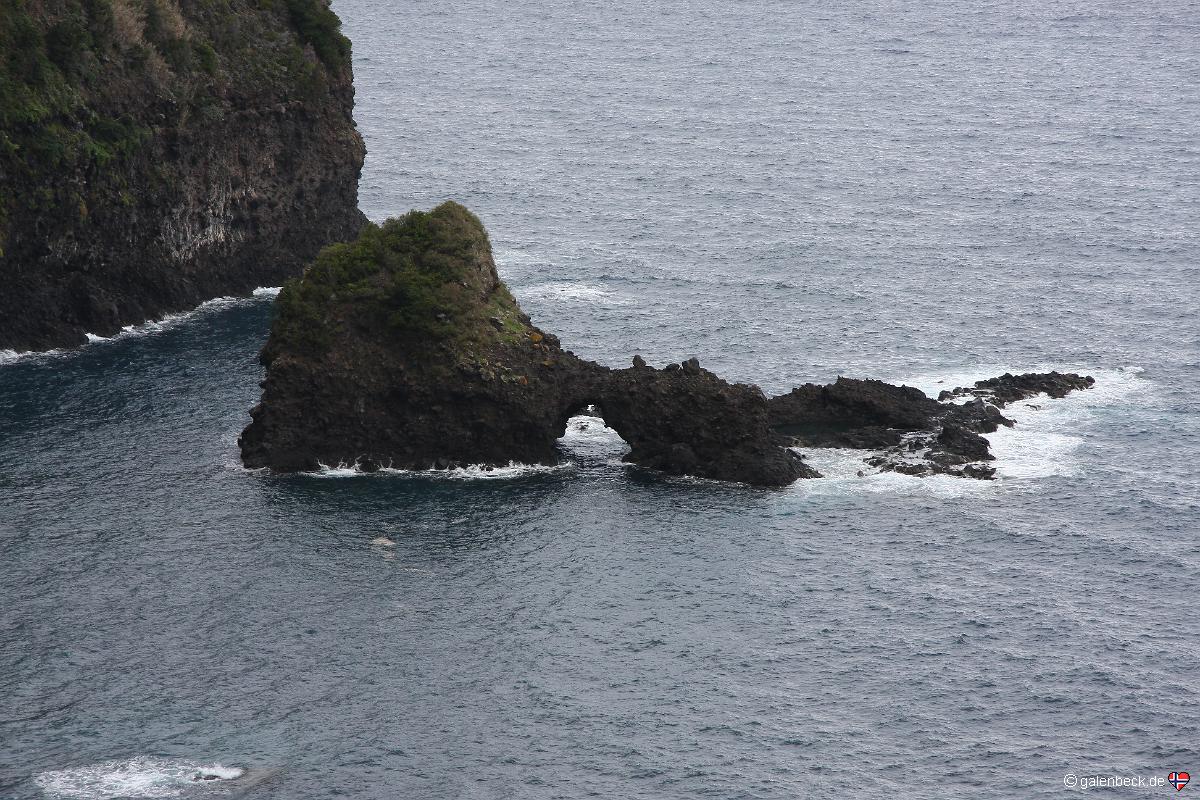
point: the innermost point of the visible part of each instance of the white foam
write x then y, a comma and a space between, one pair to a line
588, 437
9, 356
471, 472
140, 777
576, 292
1049, 431
1110, 382
840, 467
1044, 442
171, 320
145, 328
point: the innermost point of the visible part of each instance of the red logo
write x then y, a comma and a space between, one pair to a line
1179, 780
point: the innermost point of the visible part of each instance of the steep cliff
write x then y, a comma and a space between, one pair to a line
156, 153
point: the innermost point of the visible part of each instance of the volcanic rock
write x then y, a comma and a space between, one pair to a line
688, 421
904, 424
852, 413
155, 154
387, 353
1009, 388
404, 349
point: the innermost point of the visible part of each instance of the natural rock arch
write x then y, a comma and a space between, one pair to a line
405, 349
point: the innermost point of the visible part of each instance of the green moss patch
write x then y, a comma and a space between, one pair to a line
422, 276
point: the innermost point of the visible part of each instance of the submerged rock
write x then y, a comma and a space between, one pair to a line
404, 349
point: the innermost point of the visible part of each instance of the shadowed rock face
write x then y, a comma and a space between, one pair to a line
852, 413
684, 420
404, 349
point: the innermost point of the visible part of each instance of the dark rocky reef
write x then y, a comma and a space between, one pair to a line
404, 349
917, 434
852, 413
1009, 388
684, 420
157, 153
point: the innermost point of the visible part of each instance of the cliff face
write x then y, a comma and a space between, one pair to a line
156, 153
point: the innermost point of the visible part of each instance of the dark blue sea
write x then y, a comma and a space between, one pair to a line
928, 193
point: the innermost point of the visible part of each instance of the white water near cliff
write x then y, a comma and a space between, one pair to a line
148, 327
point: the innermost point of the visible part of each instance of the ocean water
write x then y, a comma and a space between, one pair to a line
927, 193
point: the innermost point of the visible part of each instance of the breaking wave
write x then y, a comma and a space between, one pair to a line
471, 472
586, 440
140, 777
1044, 442
145, 328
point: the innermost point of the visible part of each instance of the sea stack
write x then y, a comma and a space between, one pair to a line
405, 350
157, 153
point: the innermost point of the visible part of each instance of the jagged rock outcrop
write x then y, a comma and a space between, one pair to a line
1009, 388
157, 153
684, 420
917, 434
852, 413
404, 349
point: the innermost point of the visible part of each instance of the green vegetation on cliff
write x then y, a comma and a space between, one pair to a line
425, 275
85, 83
321, 28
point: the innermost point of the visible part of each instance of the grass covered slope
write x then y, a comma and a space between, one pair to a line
423, 277
156, 152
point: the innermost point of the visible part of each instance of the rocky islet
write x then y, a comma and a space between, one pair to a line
405, 350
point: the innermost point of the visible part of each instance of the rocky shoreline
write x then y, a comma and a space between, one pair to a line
405, 350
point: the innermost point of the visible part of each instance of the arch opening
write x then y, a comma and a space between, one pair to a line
588, 439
